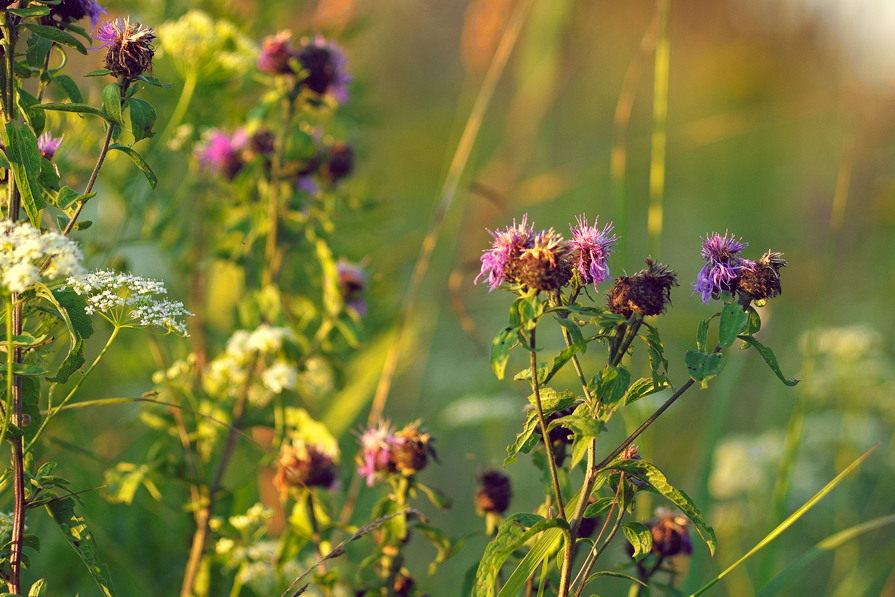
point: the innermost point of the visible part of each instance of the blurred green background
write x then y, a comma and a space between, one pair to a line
777, 112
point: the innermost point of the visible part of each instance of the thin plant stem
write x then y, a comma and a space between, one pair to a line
545, 435
271, 254
103, 152
315, 530
600, 535
659, 138
190, 79
596, 556
51, 411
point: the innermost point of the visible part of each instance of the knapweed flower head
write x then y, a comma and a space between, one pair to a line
339, 162
303, 465
592, 248
500, 262
276, 52
670, 534
722, 267
761, 280
323, 63
69, 11
128, 47
48, 145
494, 492
647, 292
214, 48
126, 300
221, 153
547, 263
352, 285
412, 449
23, 249
377, 451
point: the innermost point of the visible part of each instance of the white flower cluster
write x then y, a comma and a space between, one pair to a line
258, 566
23, 249
228, 373
216, 48
256, 516
129, 301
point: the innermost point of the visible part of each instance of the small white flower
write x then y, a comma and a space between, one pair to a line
224, 546
267, 339
280, 376
23, 249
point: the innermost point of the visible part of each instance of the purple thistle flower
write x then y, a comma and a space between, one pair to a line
47, 145
128, 50
220, 152
377, 445
594, 247
327, 66
507, 244
723, 265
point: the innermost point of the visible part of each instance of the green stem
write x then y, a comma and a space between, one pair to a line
596, 556
271, 255
183, 103
52, 412
545, 436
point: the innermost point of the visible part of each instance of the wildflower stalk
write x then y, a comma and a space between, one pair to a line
51, 411
595, 555
545, 436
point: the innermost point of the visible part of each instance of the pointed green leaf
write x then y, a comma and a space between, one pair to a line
38, 48
75, 530
733, 320
500, 350
627, 577
643, 387
754, 324
639, 537
112, 103
768, 355
31, 11
702, 367
614, 382
702, 335
24, 158
23, 369
552, 401
152, 81
68, 85
525, 441
71, 307
73, 108
57, 35
142, 116
38, 589
575, 335
580, 424
139, 161
99, 73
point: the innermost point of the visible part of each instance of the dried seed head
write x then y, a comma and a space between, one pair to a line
670, 534
647, 292
412, 449
547, 263
304, 465
761, 280
494, 492
128, 49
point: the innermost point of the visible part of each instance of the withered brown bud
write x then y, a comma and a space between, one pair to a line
546, 265
340, 162
494, 492
404, 584
128, 49
304, 465
412, 449
761, 280
647, 292
670, 534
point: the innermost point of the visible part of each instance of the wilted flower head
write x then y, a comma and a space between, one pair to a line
128, 49
70, 11
276, 53
130, 301
670, 534
412, 449
352, 285
761, 280
546, 264
221, 153
377, 444
339, 162
647, 292
22, 251
493, 493
304, 465
723, 265
500, 262
592, 247
48, 145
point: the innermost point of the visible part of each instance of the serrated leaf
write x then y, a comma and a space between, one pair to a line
733, 320
142, 116
703, 367
768, 355
581, 425
525, 441
552, 401
57, 35
500, 350
112, 103
75, 530
639, 537
68, 85
657, 480
614, 382
24, 158
139, 161
642, 388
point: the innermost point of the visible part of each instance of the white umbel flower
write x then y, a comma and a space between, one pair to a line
23, 249
130, 301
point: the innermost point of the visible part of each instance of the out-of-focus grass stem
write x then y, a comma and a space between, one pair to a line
660, 122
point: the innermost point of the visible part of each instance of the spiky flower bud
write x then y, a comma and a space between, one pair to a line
761, 280
547, 263
304, 465
647, 292
128, 49
412, 449
493, 493
592, 248
722, 267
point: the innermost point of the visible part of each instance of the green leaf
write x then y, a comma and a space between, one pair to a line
500, 350
574, 331
31, 11
548, 543
512, 533
36, 118
657, 480
99, 73
614, 382
602, 505
72, 310
142, 116
38, 48
582, 425
658, 362
67, 197
525, 441
68, 85
443, 545
702, 334
31, 541
24, 158
639, 537
552, 401
643, 387
768, 355
436, 497
702, 367
152, 81
139, 161
23, 369
57, 35
525, 374
75, 530
38, 589
596, 575
733, 320
754, 324
112, 103
74, 108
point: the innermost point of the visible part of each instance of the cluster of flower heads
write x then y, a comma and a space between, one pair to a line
259, 353
126, 300
545, 260
386, 452
216, 49
128, 47
726, 271
23, 250
321, 63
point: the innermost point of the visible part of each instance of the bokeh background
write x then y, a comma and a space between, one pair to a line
780, 128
